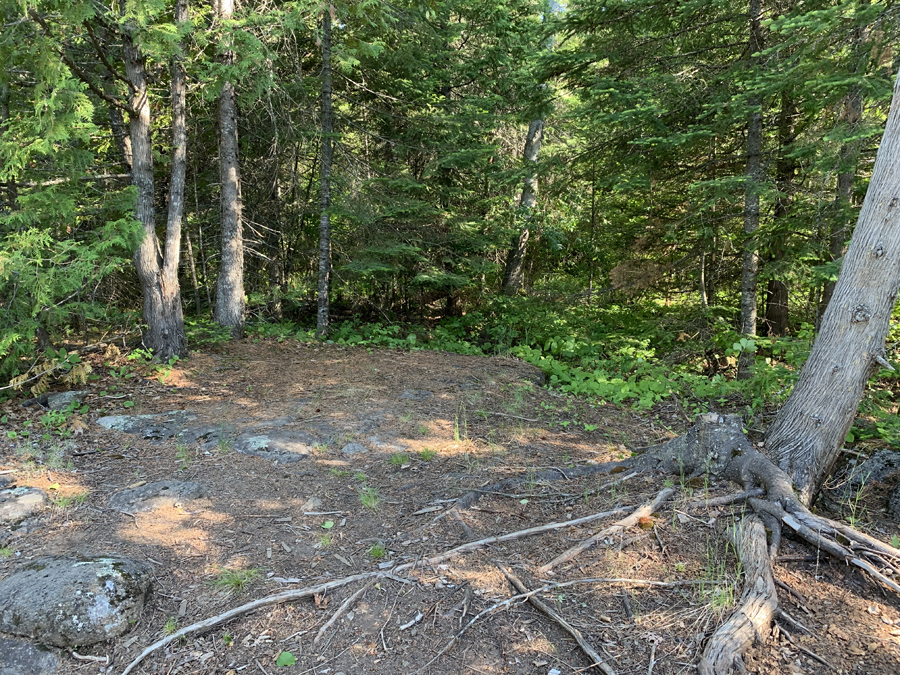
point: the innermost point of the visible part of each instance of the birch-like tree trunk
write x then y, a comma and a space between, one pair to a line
753, 174
810, 429
513, 276
322, 315
229, 310
165, 334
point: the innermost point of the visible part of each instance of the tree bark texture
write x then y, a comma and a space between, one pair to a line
754, 175
776, 321
165, 334
324, 286
229, 310
514, 276
809, 431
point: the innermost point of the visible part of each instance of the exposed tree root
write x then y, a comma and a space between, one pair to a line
750, 622
716, 446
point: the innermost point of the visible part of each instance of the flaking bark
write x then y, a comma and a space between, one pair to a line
810, 429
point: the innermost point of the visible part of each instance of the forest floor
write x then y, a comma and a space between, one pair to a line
430, 427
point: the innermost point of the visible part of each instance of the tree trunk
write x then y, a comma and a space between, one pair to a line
513, 276
809, 431
322, 316
229, 311
165, 334
753, 174
776, 322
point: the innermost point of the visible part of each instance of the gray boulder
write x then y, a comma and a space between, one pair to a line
157, 427
16, 504
158, 495
20, 657
68, 601
354, 449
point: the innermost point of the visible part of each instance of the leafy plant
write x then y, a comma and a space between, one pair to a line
399, 459
285, 659
378, 550
426, 454
170, 626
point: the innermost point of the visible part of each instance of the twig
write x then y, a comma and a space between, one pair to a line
259, 665
596, 659
615, 528
89, 657
340, 610
211, 622
787, 618
516, 417
652, 657
806, 651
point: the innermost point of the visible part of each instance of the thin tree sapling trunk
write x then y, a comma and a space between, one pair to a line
324, 285
753, 174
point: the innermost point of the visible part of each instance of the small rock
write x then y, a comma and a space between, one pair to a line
16, 504
416, 395
312, 504
62, 400
154, 496
354, 449
67, 601
883, 464
281, 446
20, 657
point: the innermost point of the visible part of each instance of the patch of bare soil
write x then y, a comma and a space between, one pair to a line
392, 438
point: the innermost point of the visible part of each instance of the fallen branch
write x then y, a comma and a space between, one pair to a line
596, 659
340, 610
213, 621
643, 512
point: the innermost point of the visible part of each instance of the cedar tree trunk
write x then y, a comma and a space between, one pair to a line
808, 433
165, 334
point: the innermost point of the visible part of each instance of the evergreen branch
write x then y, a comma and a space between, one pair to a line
37, 18
97, 47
